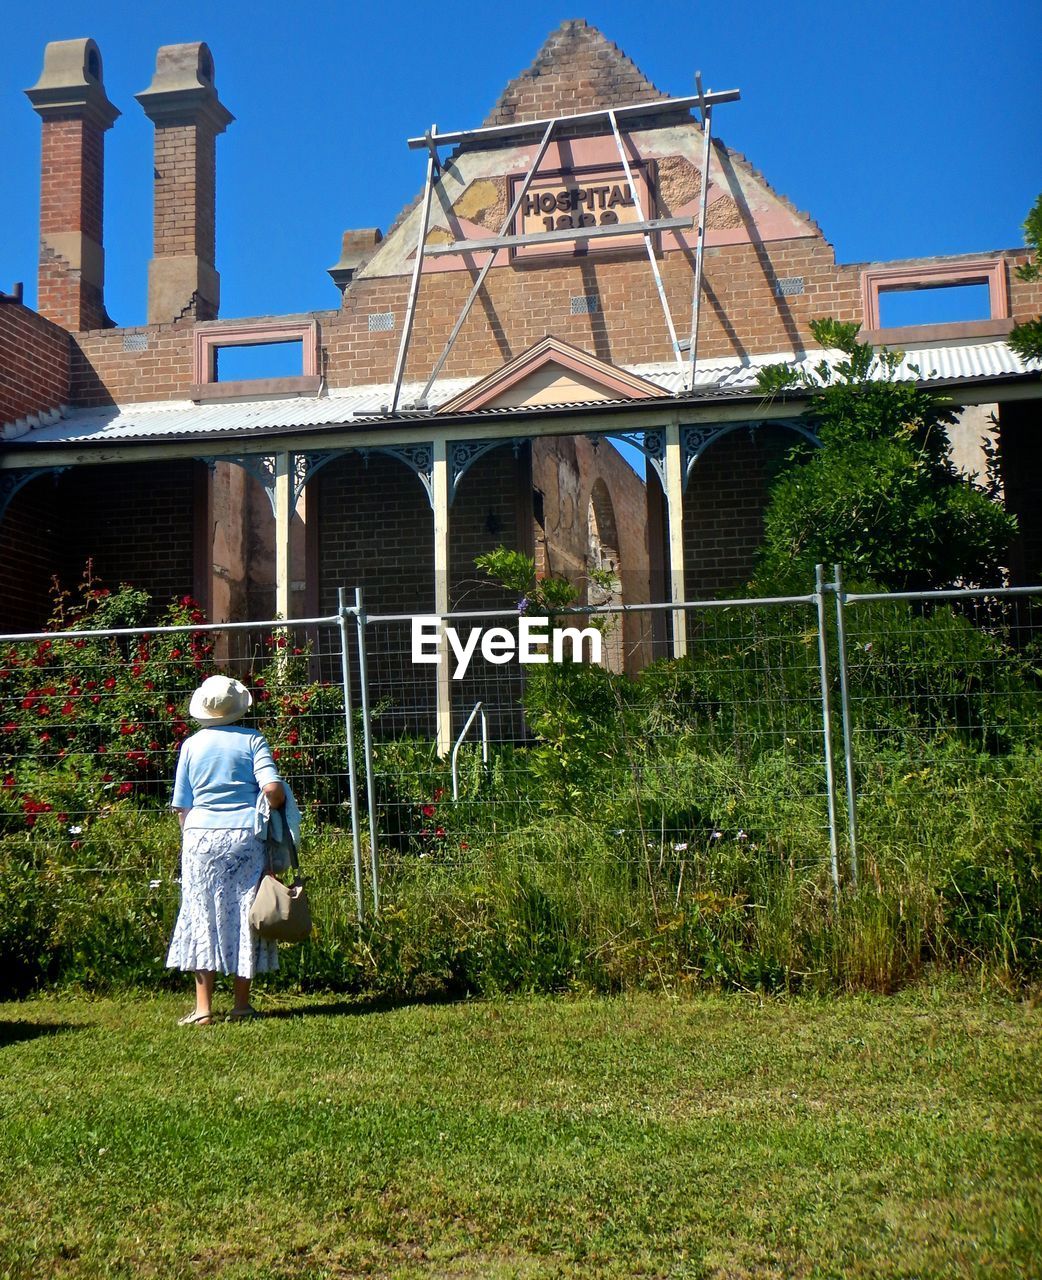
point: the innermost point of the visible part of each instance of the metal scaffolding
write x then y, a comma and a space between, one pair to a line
644, 226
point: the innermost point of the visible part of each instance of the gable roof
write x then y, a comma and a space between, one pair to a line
595, 377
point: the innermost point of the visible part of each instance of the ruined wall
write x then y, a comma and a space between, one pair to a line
34, 363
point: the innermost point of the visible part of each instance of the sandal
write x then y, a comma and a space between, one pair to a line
243, 1015
195, 1019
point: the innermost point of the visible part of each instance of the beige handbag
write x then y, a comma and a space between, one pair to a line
280, 912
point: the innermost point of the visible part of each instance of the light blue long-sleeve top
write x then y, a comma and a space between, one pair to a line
219, 773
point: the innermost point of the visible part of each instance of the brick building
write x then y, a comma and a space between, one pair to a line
392, 459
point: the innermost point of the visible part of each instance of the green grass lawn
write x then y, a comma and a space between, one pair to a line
717, 1137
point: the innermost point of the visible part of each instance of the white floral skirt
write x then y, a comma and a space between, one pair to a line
220, 872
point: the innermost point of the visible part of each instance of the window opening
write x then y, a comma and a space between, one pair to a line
242, 362
942, 304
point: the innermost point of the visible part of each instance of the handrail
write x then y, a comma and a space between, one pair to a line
478, 709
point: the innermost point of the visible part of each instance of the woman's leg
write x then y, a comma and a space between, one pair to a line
242, 994
204, 980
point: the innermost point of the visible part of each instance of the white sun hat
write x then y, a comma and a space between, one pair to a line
220, 700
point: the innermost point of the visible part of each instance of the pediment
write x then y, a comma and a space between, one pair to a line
552, 372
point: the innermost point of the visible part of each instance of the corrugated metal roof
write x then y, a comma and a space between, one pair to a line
714, 380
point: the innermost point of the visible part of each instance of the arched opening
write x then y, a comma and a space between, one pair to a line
604, 569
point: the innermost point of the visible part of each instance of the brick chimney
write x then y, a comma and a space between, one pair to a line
69, 98
183, 105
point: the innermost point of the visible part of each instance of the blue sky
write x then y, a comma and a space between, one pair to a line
904, 129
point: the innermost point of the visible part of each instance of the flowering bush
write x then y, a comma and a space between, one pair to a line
90, 723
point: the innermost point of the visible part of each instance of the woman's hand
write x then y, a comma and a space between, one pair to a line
276, 794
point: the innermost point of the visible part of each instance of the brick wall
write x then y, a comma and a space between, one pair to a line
31, 532
136, 523
493, 508
1020, 443
375, 531
34, 363
576, 70
723, 509
103, 373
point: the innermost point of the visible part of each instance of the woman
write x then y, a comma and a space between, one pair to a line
221, 771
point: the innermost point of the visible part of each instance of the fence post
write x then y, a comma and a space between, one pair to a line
345, 670
367, 741
848, 735
826, 719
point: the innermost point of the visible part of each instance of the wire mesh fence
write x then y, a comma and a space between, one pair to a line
643, 763
711, 736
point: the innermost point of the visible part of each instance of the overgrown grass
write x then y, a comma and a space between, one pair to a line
950, 878
714, 1137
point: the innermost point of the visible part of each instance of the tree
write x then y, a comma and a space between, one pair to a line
1026, 338
880, 495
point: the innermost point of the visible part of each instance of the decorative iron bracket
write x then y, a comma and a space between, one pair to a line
652, 444
696, 440
12, 481
419, 458
464, 453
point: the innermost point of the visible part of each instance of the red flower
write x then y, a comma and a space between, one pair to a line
63, 817
9, 780
10, 727
45, 737
149, 685
77, 844
439, 832
110, 683
125, 728
153, 746
135, 670
29, 702
438, 793
275, 753
95, 698
91, 684
49, 689
175, 653
463, 844
4, 673
428, 811
124, 789
293, 737
69, 709
43, 709
106, 777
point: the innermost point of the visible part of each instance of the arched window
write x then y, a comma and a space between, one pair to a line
602, 555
